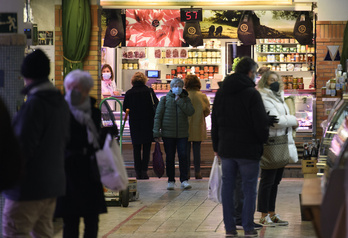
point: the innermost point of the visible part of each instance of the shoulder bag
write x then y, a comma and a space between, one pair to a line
275, 153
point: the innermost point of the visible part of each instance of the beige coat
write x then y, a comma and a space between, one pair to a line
197, 125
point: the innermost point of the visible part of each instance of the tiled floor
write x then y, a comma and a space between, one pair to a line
187, 213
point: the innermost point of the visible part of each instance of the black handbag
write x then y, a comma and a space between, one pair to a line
275, 153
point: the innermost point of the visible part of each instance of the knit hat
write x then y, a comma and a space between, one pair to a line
36, 65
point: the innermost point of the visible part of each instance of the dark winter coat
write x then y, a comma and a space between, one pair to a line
42, 128
171, 119
11, 159
239, 119
141, 112
84, 191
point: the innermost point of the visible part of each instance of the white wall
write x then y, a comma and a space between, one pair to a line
332, 10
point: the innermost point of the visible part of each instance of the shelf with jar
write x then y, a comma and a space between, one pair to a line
285, 55
183, 56
202, 72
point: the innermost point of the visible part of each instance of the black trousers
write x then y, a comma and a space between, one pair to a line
196, 155
268, 189
141, 163
71, 226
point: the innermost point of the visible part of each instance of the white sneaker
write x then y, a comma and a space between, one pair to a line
185, 185
266, 221
171, 185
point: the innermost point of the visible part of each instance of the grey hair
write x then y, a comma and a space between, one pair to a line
80, 77
175, 81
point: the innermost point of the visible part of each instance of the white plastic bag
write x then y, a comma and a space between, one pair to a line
215, 182
111, 166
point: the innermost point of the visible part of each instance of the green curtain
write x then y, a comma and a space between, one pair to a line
344, 55
76, 33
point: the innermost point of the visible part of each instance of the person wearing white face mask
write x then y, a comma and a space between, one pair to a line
171, 123
81, 170
108, 83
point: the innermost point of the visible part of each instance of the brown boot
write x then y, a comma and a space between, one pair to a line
198, 175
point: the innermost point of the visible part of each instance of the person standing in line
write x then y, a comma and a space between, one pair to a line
141, 102
239, 129
81, 169
197, 125
42, 128
271, 89
171, 123
108, 82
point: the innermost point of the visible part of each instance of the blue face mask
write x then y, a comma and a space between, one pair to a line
177, 90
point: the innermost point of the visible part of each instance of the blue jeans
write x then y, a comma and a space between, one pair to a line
249, 171
171, 145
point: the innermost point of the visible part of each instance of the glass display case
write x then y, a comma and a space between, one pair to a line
334, 137
305, 102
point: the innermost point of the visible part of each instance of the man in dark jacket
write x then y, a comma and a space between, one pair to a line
239, 129
42, 128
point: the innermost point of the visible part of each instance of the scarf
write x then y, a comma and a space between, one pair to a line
83, 114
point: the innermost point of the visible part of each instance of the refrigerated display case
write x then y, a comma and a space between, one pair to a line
329, 143
305, 111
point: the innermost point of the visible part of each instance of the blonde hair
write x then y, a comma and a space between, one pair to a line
139, 77
265, 76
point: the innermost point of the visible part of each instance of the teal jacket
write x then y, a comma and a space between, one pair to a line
171, 119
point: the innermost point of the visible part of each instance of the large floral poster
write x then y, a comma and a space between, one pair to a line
154, 28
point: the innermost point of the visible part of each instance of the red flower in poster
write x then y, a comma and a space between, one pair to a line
155, 28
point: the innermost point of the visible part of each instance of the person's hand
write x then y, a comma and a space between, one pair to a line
157, 139
294, 127
272, 119
216, 154
177, 97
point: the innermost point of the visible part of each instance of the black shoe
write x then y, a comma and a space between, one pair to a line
256, 226
252, 233
231, 234
144, 175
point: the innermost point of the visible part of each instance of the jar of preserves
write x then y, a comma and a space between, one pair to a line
208, 60
135, 66
206, 69
209, 54
204, 54
125, 66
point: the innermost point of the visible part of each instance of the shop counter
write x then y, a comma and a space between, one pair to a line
311, 200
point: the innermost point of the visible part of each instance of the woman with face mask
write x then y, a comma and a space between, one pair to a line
171, 124
271, 89
108, 83
84, 192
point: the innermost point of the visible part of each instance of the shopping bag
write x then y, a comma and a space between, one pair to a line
112, 171
215, 182
157, 161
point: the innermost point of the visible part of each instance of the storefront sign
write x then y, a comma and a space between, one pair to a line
8, 22
192, 2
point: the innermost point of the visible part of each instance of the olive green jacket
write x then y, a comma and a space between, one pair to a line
171, 119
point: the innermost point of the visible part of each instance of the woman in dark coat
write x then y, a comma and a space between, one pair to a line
84, 191
141, 102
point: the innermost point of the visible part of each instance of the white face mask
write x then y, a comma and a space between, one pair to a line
106, 76
177, 90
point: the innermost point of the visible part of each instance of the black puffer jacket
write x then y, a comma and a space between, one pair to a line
239, 119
